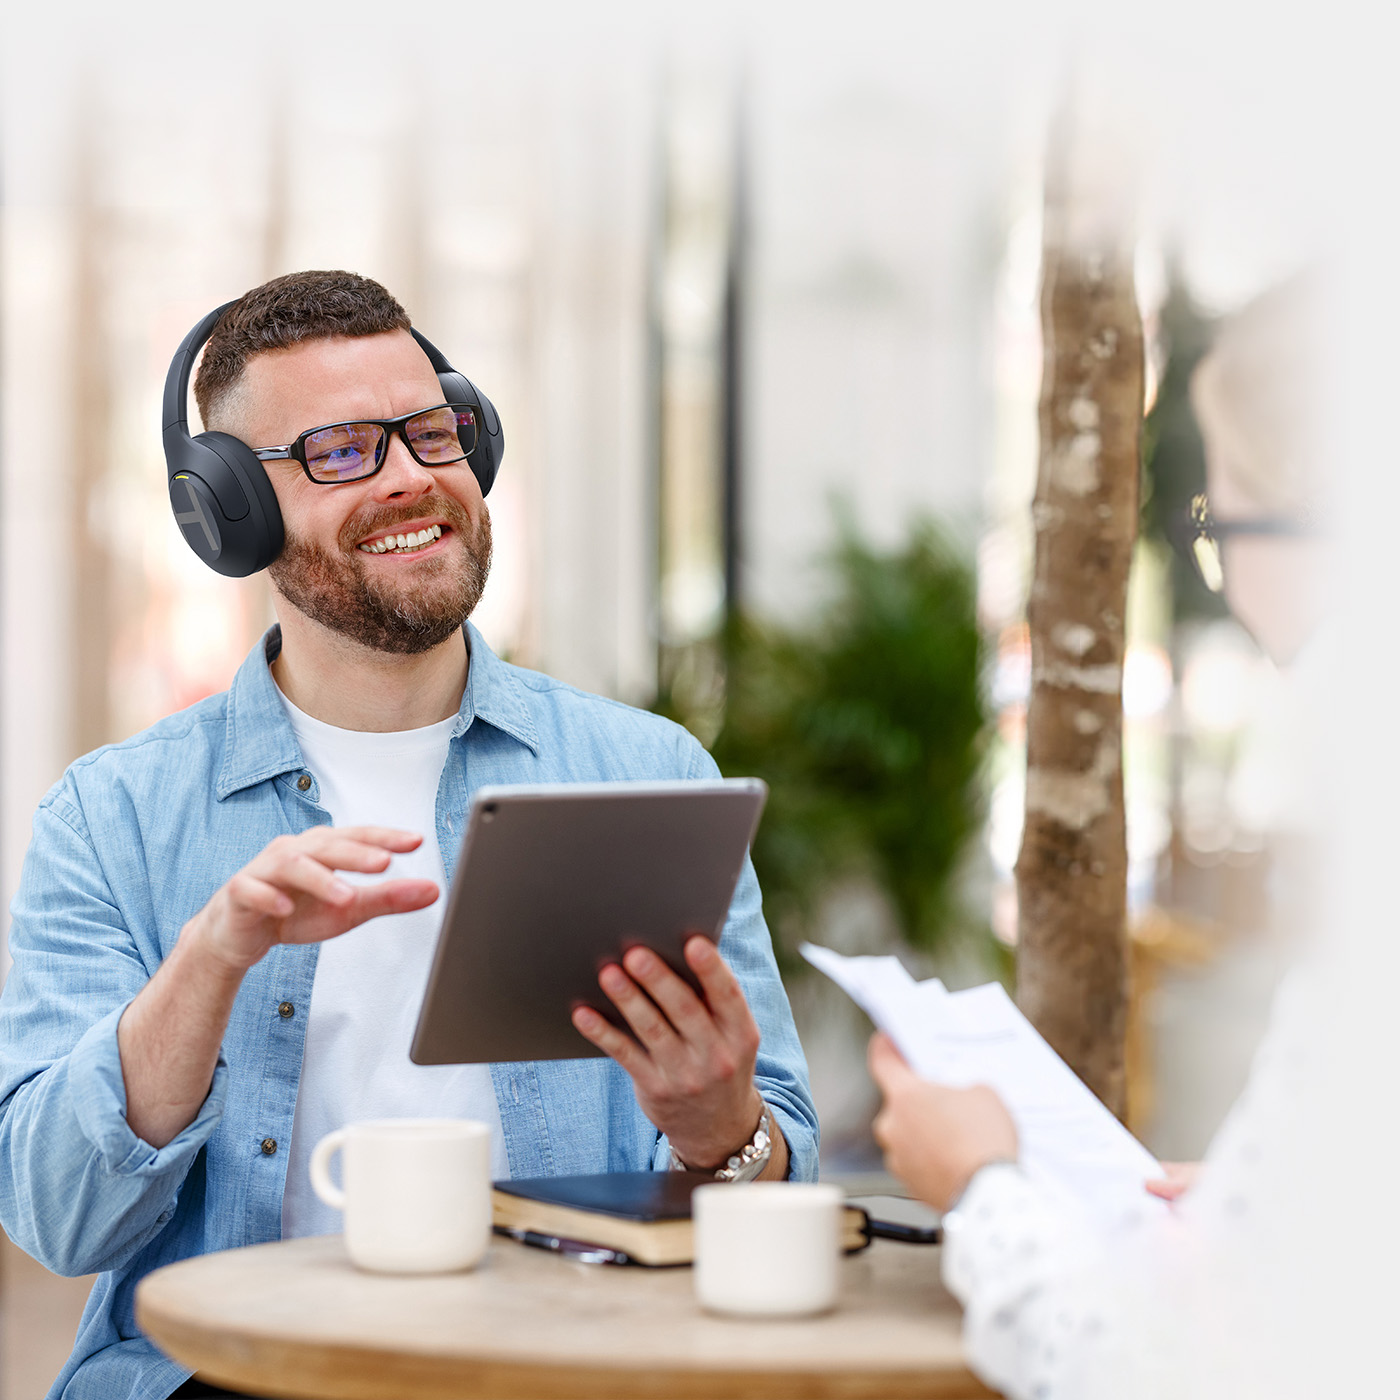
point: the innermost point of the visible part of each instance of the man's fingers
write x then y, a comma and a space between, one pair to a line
638, 1009
723, 994
597, 1030
344, 853
297, 872
247, 892
391, 897
391, 838
682, 1008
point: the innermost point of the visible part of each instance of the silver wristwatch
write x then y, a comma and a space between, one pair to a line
749, 1161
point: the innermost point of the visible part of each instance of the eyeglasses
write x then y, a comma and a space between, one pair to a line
1198, 534
341, 452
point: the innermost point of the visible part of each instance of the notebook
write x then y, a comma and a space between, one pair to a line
643, 1216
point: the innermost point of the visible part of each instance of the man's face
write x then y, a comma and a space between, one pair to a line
397, 601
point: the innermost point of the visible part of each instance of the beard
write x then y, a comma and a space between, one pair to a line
407, 618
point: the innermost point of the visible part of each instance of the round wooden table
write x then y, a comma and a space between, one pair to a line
296, 1319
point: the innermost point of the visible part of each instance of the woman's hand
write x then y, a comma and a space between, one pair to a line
934, 1138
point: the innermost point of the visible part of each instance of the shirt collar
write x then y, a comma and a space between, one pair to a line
260, 743
496, 695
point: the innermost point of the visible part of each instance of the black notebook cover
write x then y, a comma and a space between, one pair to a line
642, 1196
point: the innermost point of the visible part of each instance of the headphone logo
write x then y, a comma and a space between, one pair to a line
197, 515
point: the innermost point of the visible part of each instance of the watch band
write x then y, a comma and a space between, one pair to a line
749, 1161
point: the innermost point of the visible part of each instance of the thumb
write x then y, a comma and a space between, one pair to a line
888, 1068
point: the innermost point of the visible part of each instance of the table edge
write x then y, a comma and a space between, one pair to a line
238, 1358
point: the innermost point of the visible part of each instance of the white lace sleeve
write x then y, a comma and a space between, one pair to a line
1045, 1316
1211, 1298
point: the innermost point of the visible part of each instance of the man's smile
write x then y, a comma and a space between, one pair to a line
414, 540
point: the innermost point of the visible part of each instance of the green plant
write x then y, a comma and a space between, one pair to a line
868, 728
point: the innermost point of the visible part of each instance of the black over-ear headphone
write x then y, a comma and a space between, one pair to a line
223, 502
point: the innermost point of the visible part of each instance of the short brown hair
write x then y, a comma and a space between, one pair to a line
284, 312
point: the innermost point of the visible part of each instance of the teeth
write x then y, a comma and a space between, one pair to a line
405, 544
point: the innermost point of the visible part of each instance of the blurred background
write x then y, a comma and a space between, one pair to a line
757, 298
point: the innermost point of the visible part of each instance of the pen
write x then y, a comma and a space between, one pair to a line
575, 1249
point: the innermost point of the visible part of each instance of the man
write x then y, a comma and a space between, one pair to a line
224, 924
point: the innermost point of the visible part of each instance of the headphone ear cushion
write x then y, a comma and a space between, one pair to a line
224, 503
485, 460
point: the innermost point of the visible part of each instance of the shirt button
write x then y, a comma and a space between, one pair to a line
286, 1010
269, 1146
304, 782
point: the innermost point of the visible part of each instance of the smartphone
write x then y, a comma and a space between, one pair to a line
897, 1218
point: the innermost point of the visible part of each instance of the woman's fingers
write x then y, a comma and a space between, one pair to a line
888, 1068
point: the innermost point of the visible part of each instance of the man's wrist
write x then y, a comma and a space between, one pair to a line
199, 950
745, 1161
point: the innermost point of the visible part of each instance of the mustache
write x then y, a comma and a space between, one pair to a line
369, 521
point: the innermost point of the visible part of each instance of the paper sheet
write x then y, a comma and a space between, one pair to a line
1069, 1140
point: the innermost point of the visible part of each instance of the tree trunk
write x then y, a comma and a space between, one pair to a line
1071, 876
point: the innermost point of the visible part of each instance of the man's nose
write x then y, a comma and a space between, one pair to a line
401, 475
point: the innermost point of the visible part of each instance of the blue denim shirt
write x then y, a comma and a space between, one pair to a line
132, 842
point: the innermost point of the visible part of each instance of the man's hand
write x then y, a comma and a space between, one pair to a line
935, 1138
692, 1062
169, 1036
290, 893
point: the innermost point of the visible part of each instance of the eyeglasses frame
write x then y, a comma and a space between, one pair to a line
296, 451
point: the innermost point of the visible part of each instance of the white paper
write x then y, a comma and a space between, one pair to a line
1068, 1140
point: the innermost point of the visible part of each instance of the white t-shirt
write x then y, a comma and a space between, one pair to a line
369, 982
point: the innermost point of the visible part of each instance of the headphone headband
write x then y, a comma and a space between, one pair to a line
174, 409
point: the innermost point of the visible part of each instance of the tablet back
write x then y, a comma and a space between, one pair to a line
557, 880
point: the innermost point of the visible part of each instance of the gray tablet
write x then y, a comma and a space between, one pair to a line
556, 880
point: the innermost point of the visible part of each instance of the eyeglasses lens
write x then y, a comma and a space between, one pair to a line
1206, 552
1205, 548
344, 452
442, 435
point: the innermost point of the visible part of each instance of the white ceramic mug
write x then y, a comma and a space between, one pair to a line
417, 1194
768, 1248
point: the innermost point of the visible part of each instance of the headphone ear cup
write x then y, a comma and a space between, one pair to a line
224, 503
485, 460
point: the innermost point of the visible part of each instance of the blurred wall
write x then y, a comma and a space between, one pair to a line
518, 213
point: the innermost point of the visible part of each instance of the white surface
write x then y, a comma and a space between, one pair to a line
1069, 1140
417, 1192
369, 982
768, 1248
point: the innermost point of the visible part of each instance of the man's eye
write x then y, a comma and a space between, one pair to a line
336, 461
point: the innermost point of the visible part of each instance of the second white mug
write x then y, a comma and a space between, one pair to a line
768, 1248
416, 1194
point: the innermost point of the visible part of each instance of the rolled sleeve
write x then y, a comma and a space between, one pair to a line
781, 1070
79, 1190
98, 1091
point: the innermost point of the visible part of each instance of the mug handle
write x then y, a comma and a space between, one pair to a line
321, 1181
